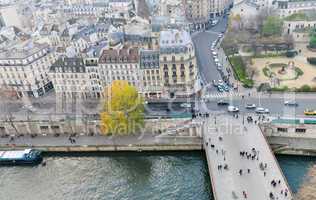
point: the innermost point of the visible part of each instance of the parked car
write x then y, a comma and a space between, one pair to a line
290, 103
251, 106
222, 103
262, 110
232, 109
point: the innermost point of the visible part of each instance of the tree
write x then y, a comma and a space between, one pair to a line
289, 41
312, 42
123, 110
272, 26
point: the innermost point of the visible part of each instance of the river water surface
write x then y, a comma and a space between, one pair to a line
120, 176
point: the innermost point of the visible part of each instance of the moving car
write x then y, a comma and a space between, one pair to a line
310, 112
262, 110
222, 103
251, 106
232, 109
290, 103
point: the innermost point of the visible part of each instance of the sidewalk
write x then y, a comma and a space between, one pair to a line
99, 141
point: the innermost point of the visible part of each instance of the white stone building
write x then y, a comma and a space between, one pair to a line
289, 7
24, 69
76, 78
120, 64
177, 63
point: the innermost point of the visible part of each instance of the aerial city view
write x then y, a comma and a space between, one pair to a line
157, 99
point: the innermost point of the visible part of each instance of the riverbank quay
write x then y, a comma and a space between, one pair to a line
144, 142
291, 136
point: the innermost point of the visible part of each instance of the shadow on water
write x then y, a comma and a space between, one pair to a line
295, 169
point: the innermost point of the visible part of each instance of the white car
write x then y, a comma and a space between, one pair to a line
29, 108
232, 109
185, 105
262, 110
216, 60
220, 35
214, 53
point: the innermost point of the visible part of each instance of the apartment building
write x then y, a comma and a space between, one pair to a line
177, 63
24, 68
120, 64
199, 12
289, 7
76, 78
150, 75
219, 7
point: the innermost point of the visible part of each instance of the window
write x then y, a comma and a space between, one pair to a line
300, 130
282, 130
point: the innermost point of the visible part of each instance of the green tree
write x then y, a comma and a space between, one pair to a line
272, 26
123, 110
312, 42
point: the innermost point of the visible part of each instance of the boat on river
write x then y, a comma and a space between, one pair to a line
21, 157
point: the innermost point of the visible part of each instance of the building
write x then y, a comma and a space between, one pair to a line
177, 63
197, 11
150, 75
121, 5
10, 17
200, 12
120, 64
219, 7
299, 25
289, 7
24, 69
76, 78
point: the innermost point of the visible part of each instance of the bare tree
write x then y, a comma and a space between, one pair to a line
289, 41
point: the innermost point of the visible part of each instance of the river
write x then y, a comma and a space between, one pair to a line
120, 176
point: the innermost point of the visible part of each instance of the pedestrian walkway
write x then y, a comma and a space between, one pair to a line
213, 95
241, 164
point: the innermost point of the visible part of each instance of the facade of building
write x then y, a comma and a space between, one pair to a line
76, 78
200, 12
289, 7
219, 7
120, 64
177, 63
150, 75
24, 69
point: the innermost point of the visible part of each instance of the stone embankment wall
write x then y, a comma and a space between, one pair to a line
291, 142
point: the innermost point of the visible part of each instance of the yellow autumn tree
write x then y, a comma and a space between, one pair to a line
123, 112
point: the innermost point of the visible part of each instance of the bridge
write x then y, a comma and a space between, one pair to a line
241, 163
